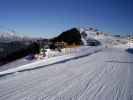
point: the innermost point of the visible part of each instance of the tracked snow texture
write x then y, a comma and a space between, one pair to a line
106, 75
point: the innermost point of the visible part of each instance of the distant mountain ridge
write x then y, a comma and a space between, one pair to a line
9, 37
13, 47
78, 36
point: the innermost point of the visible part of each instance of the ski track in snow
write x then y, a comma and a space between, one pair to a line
106, 75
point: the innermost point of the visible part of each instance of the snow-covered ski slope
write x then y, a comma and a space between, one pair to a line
105, 75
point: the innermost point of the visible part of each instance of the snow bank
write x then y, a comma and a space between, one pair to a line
79, 52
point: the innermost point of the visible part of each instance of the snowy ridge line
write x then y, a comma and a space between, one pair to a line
51, 61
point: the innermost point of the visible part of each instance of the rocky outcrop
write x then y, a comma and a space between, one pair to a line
70, 37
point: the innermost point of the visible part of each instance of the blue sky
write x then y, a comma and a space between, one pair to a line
47, 18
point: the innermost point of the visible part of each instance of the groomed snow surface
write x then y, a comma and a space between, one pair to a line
104, 75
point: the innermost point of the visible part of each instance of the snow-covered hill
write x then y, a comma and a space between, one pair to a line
10, 37
102, 37
6, 34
